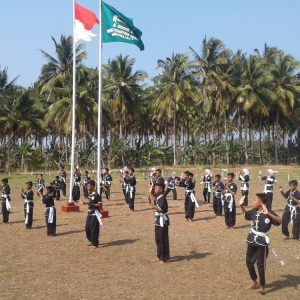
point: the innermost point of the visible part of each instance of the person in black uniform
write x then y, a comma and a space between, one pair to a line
86, 179
50, 211
158, 177
40, 185
106, 182
261, 220
130, 182
93, 220
218, 188
159, 203
63, 180
187, 182
124, 173
76, 185
244, 178
56, 185
5, 199
268, 188
207, 181
27, 195
229, 201
292, 210
171, 185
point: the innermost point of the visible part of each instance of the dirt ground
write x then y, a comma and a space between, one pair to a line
208, 261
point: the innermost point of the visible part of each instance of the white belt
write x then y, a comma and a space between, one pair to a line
107, 183
293, 211
8, 206
99, 216
193, 198
261, 234
162, 218
40, 187
230, 205
27, 210
51, 214
171, 187
77, 183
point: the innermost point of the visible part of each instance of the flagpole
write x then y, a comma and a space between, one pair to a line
99, 101
73, 108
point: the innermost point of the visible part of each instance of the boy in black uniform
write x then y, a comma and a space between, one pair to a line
171, 185
292, 210
5, 200
93, 220
229, 201
159, 203
130, 183
86, 179
218, 188
187, 182
56, 185
50, 211
63, 180
268, 188
261, 220
207, 181
76, 185
40, 185
106, 182
244, 178
27, 195
158, 179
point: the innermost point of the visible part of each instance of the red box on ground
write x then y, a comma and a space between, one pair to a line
70, 207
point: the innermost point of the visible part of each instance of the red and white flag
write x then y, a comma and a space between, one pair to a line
84, 22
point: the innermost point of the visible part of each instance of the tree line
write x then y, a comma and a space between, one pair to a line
207, 106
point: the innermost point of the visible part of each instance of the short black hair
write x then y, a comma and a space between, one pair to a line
218, 176
4, 180
106, 169
50, 189
57, 177
187, 173
263, 197
92, 183
86, 171
230, 174
293, 182
191, 174
158, 170
29, 183
161, 184
131, 169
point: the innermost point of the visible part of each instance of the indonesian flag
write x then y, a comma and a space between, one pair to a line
84, 22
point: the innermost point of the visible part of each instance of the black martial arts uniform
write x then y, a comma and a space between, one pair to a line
172, 186
162, 229
245, 187
217, 199
86, 179
268, 189
130, 184
50, 214
189, 202
40, 185
28, 208
76, 187
106, 183
290, 214
63, 182
258, 242
92, 226
207, 180
5, 202
56, 186
229, 204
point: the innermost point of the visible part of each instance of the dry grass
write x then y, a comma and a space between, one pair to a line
208, 261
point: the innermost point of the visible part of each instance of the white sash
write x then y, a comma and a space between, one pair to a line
99, 216
230, 205
162, 218
27, 210
193, 198
261, 234
8, 206
51, 215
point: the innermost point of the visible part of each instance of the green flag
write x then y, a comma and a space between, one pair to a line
118, 28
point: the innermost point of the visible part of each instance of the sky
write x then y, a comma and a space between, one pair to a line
168, 26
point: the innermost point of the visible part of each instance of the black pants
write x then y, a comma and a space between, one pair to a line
174, 192
85, 192
125, 195
107, 192
230, 216
189, 208
76, 193
51, 227
206, 195
245, 193
56, 194
92, 229
286, 219
63, 187
296, 225
258, 255
5, 212
270, 200
162, 242
217, 206
130, 199
29, 215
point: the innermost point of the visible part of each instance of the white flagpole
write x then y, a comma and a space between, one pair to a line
73, 108
99, 101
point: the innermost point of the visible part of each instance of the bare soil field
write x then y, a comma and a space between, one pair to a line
208, 260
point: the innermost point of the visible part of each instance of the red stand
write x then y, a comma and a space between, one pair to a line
104, 214
70, 207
